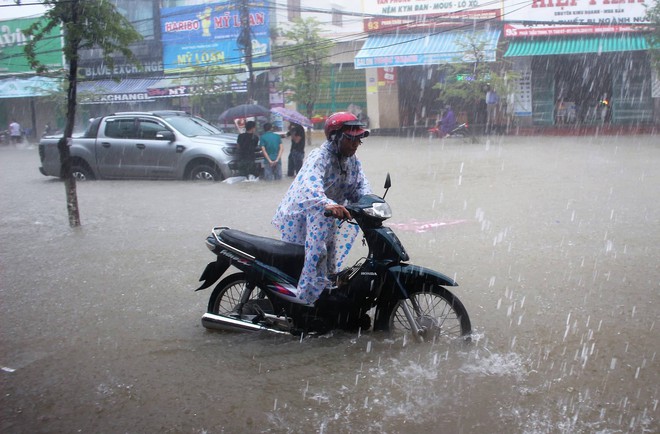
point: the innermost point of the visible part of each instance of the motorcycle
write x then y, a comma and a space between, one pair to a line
262, 294
459, 131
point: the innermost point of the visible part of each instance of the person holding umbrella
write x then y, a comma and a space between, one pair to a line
248, 144
297, 152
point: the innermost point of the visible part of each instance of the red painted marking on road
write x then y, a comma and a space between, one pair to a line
423, 226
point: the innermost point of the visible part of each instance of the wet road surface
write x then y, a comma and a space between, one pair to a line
555, 243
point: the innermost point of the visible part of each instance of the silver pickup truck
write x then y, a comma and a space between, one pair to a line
161, 145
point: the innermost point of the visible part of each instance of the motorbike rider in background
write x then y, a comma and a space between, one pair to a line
330, 177
448, 121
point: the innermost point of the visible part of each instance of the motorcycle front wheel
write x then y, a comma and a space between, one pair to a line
437, 312
228, 293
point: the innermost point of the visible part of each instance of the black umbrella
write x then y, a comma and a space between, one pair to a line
243, 111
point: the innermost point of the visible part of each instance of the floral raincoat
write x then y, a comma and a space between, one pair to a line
325, 178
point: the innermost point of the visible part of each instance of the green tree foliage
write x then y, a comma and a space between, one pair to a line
466, 81
304, 55
211, 85
86, 24
653, 37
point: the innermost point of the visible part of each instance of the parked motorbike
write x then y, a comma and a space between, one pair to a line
459, 131
262, 294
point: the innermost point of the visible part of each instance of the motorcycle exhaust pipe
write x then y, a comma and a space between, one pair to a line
220, 322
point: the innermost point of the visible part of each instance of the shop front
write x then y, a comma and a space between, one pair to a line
406, 45
595, 73
24, 96
588, 81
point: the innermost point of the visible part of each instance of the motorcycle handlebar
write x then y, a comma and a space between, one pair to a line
328, 213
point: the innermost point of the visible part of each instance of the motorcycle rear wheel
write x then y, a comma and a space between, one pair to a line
441, 315
227, 295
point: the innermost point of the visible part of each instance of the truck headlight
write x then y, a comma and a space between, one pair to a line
230, 150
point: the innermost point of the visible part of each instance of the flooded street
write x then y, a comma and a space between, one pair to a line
555, 243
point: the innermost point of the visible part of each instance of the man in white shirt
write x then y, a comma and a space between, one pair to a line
15, 132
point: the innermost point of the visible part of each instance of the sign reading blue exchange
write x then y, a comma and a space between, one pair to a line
206, 35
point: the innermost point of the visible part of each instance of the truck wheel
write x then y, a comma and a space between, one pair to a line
82, 173
204, 172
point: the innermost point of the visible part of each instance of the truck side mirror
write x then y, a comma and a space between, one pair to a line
165, 135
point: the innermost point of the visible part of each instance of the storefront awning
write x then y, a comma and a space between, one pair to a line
424, 49
110, 91
172, 87
576, 45
28, 87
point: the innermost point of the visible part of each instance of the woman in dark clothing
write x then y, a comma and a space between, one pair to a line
297, 153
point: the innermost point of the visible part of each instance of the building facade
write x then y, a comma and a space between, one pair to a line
576, 62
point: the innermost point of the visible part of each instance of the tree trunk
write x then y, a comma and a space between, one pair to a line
63, 145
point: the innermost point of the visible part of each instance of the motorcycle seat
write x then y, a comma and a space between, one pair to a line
288, 257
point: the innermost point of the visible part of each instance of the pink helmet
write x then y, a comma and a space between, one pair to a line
344, 122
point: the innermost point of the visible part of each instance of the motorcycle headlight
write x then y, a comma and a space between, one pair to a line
379, 210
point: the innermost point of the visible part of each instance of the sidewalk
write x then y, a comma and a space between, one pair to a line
549, 130
585, 130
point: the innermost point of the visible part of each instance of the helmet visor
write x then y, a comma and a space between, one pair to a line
355, 129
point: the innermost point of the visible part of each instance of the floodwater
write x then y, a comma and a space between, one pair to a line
555, 243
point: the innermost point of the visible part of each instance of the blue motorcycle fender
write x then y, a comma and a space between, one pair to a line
213, 271
408, 274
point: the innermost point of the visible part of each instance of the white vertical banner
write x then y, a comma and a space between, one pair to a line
655, 84
521, 98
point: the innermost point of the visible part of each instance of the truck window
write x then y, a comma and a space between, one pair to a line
121, 128
93, 128
147, 129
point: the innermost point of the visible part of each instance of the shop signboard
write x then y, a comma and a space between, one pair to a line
387, 76
573, 17
390, 15
189, 89
96, 69
207, 35
12, 46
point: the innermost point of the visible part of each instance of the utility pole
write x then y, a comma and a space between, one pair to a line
245, 42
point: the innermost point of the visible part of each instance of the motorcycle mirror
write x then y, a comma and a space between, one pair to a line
388, 184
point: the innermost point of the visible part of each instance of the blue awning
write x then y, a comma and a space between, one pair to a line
172, 87
28, 87
425, 49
